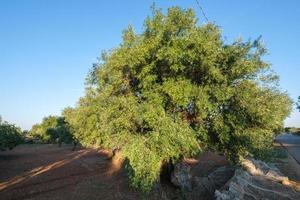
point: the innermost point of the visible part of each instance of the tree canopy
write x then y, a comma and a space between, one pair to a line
10, 135
176, 89
52, 129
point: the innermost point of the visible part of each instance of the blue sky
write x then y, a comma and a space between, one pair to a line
47, 47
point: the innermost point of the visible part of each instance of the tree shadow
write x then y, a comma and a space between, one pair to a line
40, 170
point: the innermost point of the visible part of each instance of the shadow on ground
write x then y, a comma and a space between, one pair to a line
49, 172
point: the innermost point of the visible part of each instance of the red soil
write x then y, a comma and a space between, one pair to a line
48, 172
40, 172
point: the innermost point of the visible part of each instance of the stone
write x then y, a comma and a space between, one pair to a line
260, 168
181, 176
199, 177
257, 180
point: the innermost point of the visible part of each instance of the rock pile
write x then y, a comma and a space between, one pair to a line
257, 180
196, 184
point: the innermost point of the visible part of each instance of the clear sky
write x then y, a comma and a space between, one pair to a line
47, 47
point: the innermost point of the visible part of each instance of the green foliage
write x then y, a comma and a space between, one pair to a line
53, 129
10, 135
39, 131
292, 130
298, 103
176, 89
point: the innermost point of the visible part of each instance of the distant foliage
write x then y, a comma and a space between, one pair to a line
10, 136
39, 131
175, 90
53, 129
298, 103
293, 130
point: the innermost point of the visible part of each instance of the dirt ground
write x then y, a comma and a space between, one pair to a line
47, 172
288, 165
44, 172
40, 172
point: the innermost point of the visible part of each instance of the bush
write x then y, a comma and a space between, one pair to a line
10, 136
176, 89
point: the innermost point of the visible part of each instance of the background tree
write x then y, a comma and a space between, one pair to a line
294, 130
53, 129
39, 131
63, 132
298, 103
10, 135
175, 90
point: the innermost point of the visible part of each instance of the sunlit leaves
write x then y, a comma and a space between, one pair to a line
176, 89
10, 135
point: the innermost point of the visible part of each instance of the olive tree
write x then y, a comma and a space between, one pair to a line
10, 135
176, 89
52, 129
